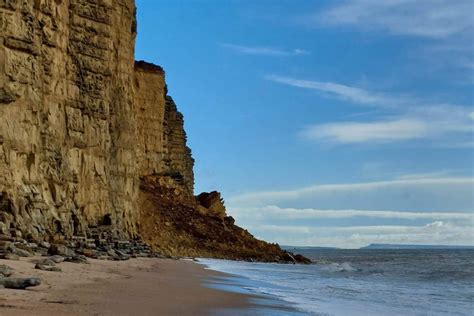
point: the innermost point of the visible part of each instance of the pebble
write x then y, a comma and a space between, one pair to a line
44, 267
77, 259
5, 270
56, 258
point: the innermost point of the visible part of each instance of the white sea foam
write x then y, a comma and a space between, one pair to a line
340, 267
377, 285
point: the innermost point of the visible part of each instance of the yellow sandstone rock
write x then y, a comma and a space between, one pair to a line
80, 122
91, 145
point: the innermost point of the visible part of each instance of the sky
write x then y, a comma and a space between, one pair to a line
326, 123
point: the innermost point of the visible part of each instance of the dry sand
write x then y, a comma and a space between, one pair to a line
134, 287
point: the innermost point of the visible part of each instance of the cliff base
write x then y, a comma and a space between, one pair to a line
175, 223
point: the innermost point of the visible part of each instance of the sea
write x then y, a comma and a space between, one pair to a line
357, 282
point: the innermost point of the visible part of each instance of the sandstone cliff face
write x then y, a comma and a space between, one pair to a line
91, 145
67, 127
161, 145
80, 123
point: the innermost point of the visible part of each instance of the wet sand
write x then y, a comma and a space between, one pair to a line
134, 287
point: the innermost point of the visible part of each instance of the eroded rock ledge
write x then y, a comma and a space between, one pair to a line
92, 147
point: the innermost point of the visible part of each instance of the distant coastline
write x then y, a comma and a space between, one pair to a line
379, 246
290, 248
408, 246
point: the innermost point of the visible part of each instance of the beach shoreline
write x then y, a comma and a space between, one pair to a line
141, 286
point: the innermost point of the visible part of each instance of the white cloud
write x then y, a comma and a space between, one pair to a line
426, 175
447, 27
418, 119
375, 229
272, 213
431, 19
365, 97
424, 208
455, 194
380, 100
388, 131
437, 232
340, 91
321, 188
265, 51
355, 132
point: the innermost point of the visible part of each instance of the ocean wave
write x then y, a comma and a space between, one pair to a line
347, 282
340, 267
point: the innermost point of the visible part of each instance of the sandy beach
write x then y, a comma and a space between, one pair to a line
134, 287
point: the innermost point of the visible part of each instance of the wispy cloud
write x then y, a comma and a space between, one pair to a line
422, 208
435, 226
265, 50
340, 91
446, 26
435, 193
277, 213
417, 118
366, 97
437, 232
431, 19
355, 132
385, 131
425, 175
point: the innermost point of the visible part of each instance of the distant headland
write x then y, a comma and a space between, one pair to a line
408, 246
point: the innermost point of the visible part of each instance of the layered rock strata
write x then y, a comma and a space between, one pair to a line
161, 144
91, 145
67, 127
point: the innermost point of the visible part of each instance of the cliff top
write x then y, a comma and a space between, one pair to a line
148, 67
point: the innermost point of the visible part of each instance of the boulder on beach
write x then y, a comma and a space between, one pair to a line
5, 270
45, 267
20, 283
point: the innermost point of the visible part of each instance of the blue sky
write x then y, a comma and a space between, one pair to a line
333, 123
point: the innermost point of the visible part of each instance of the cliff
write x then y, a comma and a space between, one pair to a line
161, 139
91, 145
67, 121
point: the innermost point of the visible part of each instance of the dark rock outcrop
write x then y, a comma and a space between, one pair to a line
211, 204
